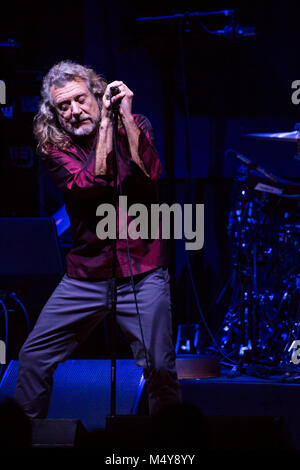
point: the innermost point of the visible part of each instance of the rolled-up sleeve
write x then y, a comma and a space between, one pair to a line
72, 175
146, 148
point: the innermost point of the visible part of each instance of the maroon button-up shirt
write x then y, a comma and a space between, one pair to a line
73, 172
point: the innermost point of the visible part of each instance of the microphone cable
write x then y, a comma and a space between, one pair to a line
4, 308
14, 296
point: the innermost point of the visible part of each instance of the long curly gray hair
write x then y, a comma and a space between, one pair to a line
46, 127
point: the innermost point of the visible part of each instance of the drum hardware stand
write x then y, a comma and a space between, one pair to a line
259, 326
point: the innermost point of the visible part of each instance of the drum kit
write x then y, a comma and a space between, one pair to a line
262, 317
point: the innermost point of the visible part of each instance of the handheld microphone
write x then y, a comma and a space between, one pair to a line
113, 91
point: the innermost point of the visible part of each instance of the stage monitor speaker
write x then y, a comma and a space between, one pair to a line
81, 390
29, 246
58, 433
30, 259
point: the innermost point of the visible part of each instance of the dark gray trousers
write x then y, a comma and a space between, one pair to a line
71, 313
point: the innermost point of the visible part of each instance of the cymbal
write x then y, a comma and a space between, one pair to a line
293, 136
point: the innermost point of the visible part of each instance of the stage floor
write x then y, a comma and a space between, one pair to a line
243, 402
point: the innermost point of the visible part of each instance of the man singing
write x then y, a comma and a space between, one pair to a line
75, 134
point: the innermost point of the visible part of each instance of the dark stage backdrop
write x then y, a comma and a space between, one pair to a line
233, 88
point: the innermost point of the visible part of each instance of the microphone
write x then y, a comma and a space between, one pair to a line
236, 31
9, 43
113, 91
250, 164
